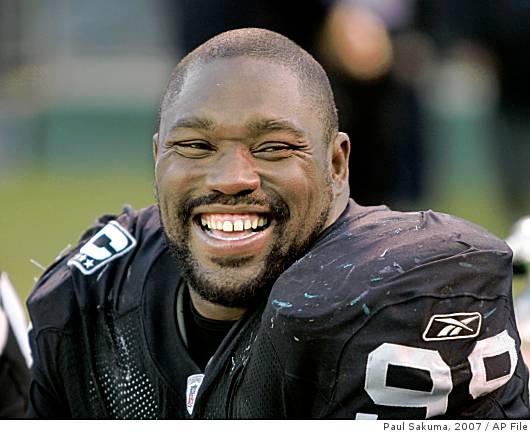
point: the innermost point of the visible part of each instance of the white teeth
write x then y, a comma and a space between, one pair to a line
237, 225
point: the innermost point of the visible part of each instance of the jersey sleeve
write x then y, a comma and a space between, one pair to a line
14, 374
445, 346
63, 307
15, 356
45, 400
54, 292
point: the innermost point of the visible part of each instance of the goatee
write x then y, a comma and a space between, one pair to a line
240, 294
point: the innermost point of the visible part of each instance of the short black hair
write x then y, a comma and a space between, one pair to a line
267, 45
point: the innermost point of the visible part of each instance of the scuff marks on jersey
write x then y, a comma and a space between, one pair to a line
366, 309
397, 267
359, 297
394, 268
282, 304
102, 272
329, 263
489, 313
349, 266
388, 270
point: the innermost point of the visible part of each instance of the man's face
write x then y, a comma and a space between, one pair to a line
242, 175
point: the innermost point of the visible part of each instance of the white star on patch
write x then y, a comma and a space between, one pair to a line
109, 243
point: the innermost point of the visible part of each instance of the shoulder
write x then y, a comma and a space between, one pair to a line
386, 257
380, 269
379, 233
76, 279
420, 291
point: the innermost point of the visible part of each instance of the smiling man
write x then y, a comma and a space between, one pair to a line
243, 171
257, 289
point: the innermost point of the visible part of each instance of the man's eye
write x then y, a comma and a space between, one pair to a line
192, 149
273, 148
194, 145
274, 151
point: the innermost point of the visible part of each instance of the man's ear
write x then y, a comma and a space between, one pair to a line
155, 145
340, 155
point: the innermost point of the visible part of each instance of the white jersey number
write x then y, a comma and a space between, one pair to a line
434, 401
399, 355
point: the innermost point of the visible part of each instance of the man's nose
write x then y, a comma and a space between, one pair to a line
234, 173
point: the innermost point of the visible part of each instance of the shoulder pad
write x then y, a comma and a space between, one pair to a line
385, 258
75, 280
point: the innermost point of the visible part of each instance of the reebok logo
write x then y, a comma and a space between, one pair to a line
453, 326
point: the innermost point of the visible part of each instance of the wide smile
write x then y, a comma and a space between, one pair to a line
232, 233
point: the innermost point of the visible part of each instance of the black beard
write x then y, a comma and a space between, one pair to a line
277, 261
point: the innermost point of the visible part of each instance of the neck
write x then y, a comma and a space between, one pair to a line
214, 311
340, 204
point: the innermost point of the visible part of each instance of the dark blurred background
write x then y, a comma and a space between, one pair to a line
434, 95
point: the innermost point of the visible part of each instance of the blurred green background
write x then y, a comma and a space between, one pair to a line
80, 84
47, 212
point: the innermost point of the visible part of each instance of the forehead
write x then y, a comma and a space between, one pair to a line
235, 91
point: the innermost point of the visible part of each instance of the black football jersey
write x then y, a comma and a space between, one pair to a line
389, 315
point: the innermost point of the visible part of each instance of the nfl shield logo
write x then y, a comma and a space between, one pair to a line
194, 383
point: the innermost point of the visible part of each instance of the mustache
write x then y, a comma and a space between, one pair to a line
279, 209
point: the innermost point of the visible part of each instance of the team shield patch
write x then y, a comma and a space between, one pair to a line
453, 326
194, 383
109, 243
